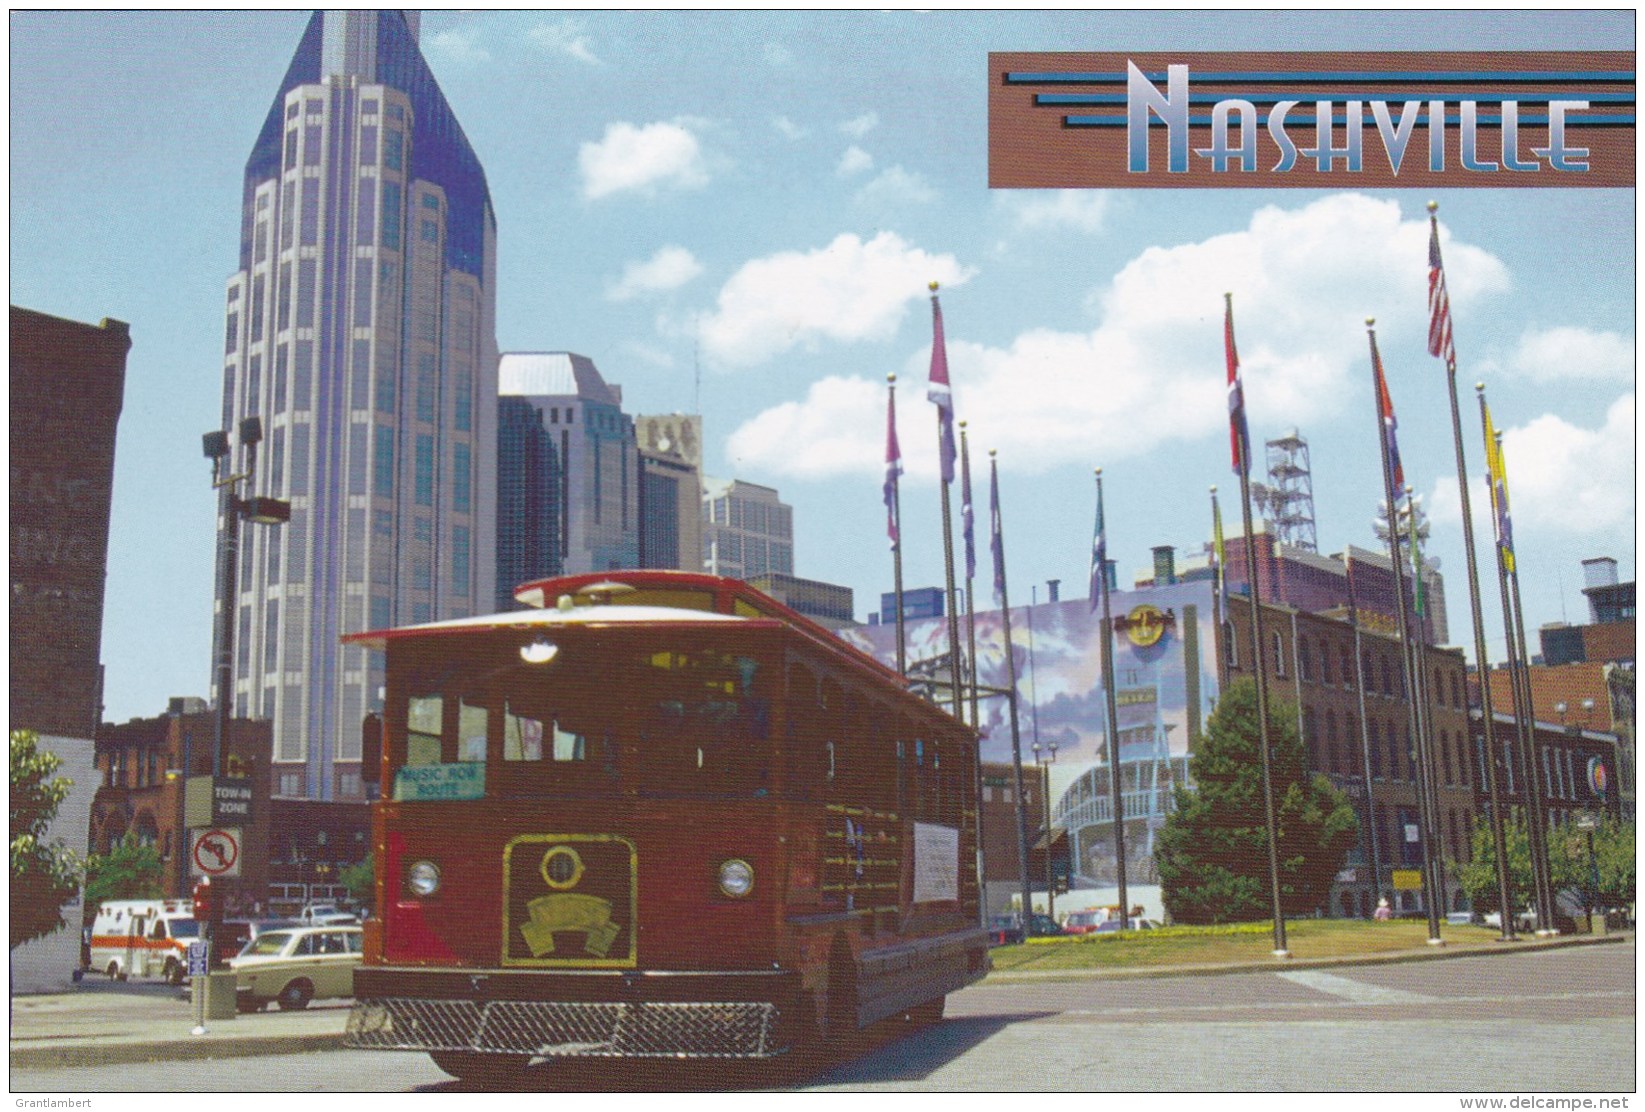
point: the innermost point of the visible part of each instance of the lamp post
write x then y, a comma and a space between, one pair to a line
232, 509
1588, 822
1044, 763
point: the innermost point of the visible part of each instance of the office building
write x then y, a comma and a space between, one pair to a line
671, 490
360, 330
598, 508
528, 499
827, 604
747, 530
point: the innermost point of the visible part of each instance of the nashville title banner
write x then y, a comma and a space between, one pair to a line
1310, 120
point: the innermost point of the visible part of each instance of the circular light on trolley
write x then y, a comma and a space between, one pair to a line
539, 651
736, 877
423, 878
562, 867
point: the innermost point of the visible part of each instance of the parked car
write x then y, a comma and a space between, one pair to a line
295, 965
1110, 926
319, 914
1005, 929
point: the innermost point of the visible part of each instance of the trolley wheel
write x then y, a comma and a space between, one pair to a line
840, 1019
295, 996
470, 1065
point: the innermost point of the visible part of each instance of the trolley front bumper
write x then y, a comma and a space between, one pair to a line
619, 1013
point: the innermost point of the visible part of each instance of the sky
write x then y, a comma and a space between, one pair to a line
738, 214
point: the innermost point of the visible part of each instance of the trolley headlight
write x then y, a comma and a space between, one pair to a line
423, 878
736, 877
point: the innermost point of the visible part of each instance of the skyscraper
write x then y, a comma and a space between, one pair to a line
599, 465
361, 330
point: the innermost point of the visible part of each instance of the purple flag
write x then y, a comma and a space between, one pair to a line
939, 391
966, 515
893, 467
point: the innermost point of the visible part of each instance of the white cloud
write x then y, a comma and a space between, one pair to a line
1082, 210
846, 292
896, 186
458, 46
776, 54
565, 37
827, 422
862, 125
855, 160
1304, 279
669, 269
788, 129
1560, 477
1566, 353
642, 158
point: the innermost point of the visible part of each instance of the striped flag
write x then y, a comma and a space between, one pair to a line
1099, 554
1390, 425
1439, 301
1239, 434
967, 522
939, 391
1498, 468
1219, 553
893, 467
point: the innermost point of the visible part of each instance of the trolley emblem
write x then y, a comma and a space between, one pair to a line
590, 882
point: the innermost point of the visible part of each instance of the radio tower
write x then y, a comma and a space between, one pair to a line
1287, 499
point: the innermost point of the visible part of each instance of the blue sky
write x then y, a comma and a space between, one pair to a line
741, 212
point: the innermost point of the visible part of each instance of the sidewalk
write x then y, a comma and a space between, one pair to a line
102, 1024
96, 1024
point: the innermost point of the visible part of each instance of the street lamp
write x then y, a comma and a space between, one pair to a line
1044, 764
260, 509
1588, 822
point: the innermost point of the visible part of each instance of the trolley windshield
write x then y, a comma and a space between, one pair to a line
519, 713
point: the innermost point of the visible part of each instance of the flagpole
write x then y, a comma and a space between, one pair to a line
892, 471
945, 449
1219, 595
1115, 793
998, 529
1414, 723
1364, 738
1420, 705
1519, 682
1440, 343
967, 514
1242, 444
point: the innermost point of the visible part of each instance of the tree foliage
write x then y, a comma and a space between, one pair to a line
128, 871
1212, 852
1568, 864
361, 881
44, 875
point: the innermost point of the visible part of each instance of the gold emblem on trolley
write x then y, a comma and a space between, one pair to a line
601, 866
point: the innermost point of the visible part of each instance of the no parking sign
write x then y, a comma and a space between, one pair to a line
214, 852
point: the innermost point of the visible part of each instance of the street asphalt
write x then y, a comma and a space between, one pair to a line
99, 1023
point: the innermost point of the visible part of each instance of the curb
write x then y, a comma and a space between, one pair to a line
1395, 957
59, 1055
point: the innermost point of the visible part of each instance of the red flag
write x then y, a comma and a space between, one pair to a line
1385, 409
1239, 434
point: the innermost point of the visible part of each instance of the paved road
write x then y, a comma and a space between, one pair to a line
1547, 1023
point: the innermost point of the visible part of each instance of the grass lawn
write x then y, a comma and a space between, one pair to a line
1306, 938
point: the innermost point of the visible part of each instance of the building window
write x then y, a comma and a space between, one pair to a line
394, 148
383, 470
460, 501
423, 476
459, 560
1279, 654
291, 784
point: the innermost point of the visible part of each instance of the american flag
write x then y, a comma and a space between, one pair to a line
1439, 301
938, 391
893, 467
1239, 434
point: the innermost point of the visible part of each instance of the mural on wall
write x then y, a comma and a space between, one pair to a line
1165, 681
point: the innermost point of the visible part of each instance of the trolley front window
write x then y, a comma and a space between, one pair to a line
515, 714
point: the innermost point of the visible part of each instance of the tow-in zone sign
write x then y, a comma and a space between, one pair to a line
214, 852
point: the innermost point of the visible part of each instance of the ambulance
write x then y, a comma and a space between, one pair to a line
143, 938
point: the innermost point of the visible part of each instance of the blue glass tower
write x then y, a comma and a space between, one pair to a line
361, 330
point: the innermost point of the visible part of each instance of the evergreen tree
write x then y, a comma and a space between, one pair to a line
1212, 852
44, 875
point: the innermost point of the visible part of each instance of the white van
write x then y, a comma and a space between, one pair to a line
143, 938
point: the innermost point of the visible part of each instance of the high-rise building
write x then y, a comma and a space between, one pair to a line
671, 490
528, 499
599, 463
361, 331
747, 530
